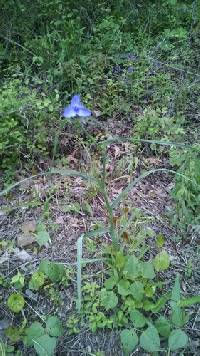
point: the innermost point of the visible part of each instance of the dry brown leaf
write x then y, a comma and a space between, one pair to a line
29, 227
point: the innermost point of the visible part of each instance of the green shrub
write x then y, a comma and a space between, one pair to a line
155, 124
26, 122
186, 192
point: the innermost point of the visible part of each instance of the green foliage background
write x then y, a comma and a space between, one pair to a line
117, 54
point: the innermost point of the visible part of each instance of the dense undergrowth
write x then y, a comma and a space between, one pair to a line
133, 62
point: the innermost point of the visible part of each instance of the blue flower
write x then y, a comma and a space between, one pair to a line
76, 108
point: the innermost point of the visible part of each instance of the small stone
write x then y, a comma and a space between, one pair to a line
22, 255
28, 227
4, 324
25, 240
31, 295
5, 257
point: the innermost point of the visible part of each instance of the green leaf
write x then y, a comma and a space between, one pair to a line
42, 237
37, 280
148, 270
177, 340
163, 326
159, 305
54, 326
109, 299
137, 319
111, 282
190, 301
14, 334
123, 287
176, 290
150, 340
129, 340
149, 290
132, 268
15, 302
137, 290
161, 261
45, 345
160, 240
178, 316
33, 332
54, 271
120, 260
18, 280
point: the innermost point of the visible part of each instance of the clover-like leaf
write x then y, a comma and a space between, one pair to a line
16, 302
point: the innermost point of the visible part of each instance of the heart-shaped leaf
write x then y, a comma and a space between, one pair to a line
177, 340
150, 340
129, 340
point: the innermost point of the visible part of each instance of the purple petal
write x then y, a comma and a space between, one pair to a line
76, 100
69, 112
83, 112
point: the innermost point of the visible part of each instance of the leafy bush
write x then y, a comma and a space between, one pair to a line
186, 192
155, 124
26, 124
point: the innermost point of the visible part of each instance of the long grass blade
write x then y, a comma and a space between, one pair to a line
79, 272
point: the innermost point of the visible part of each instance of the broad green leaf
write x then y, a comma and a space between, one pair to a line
54, 271
18, 280
148, 270
161, 261
109, 299
42, 237
163, 326
150, 340
54, 326
137, 319
132, 268
15, 302
137, 290
129, 340
176, 290
33, 332
37, 280
45, 345
111, 282
177, 340
123, 287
